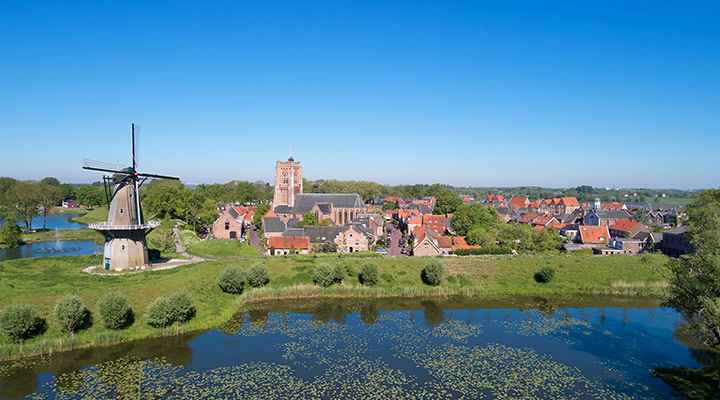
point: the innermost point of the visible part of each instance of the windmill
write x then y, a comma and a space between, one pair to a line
125, 230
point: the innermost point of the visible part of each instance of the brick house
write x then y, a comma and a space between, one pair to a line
627, 228
284, 245
528, 218
675, 242
426, 244
544, 221
229, 225
605, 217
519, 202
590, 234
494, 199
436, 223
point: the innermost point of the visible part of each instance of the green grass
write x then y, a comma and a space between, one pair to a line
98, 214
219, 248
697, 384
41, 281
64, 234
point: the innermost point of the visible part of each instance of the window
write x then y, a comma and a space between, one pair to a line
122, 247
121, 211
227, 225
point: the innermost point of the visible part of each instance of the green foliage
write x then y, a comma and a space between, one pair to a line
165, 311
695, 279
433, 272
70, 313
446, 203
231, 280
258, 275
469, 215
260, 212
696, 383
369, 274
390, 205
324, 275
89, 196
19, 321
340, 272
115, 312
545, 275
11, 234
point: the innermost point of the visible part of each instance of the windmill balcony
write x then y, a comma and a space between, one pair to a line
104, 226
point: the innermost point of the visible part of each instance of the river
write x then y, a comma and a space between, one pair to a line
54, 248
579, 347
53, 221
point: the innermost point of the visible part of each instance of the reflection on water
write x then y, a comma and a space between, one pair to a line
50, 249
572, 347
52, 221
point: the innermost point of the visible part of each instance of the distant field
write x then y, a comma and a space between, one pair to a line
679, 200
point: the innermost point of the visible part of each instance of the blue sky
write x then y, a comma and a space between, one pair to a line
464, 93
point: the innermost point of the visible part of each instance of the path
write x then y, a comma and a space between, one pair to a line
157, 265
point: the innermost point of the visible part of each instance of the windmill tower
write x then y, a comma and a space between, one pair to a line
125, 229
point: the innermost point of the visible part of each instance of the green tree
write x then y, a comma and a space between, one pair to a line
390, 205
19, 321
545, 275
308, 219
231, 280
182, 306
340, 272
260, 212
115, 312
369, 274
473, 214
89, 196
68, 192
447, 203
26, 197
695, 279
160, 313
324, 275
480, 236
10, 233
433, 272
50, 181
70, 313
258, 275
49, 196
164, 198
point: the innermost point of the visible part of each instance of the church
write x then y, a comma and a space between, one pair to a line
289, 201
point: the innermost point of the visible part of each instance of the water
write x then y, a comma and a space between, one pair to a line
53, 221
597, 348
49, 249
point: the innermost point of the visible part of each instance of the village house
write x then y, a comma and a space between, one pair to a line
426, 244
229, 225
284, 245
627, 228
70, 204
349, 238
494, 200
594, 235
675, 242
605, 217
519, 202
435, 223
544, 221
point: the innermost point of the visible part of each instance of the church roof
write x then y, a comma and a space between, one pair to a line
304, 202
273, 224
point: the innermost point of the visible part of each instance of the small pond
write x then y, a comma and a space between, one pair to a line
545, 348
53, 221
50, 249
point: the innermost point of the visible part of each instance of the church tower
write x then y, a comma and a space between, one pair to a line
288, 182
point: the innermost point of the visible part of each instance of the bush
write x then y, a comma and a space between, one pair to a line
115, 312
340, 272
70, 313
433, 272
324, 275
165, 311
232, 280
19, 321
258, 275
546, 274
369, 274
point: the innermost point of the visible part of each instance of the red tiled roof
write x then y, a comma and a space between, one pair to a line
444, 241
464, 246
527, 218
270, 213
518, 201
459, 240
625, 225
611, 206
570, 202
415, 220
594, 234
284, 242
538, 227
543, 220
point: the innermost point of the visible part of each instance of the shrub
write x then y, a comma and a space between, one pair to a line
369, 274
340, 272
160, 313
19, 321
546, 274
115, 312
70, 313
433, 272
324, 275
165, 311
231, 280
258, 275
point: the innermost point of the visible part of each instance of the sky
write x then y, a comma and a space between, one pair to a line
554, 94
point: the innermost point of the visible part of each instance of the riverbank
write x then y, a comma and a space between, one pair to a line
40, 282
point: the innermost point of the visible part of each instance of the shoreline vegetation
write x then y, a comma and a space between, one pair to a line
41, 281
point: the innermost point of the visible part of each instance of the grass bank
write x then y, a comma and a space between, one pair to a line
693, 383
42, 281
98, 214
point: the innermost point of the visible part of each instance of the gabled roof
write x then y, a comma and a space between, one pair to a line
285, 242
304, 202
624, 225
273, 224
612, 214
611, 206
444, 242
594, 234
528, 218
544, 220
569, 202
519, 201
270, 213
459, 240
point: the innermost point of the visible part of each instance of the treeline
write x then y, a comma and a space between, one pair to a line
372, 191
584, 193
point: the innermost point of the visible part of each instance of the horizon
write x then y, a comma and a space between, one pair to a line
470, 95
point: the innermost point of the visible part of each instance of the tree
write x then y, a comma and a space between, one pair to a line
49, 197
260, 212
164, 198
50, 181
182, 306
641, 217
70, 313
340, 272
473, 214
160, 313
545, 275
308, 219
89, 196
324, 275
369, 274
26, 197
694, 279
68, 192
115, 312
390, 205
433, 272
480, 236
231, 280
258, 275
19, 321
447, 203
10, 233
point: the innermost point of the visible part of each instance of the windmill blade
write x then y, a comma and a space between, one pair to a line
93, 165
135, 148
159, 176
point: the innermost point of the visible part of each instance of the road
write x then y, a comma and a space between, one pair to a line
253, 239
395, 235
